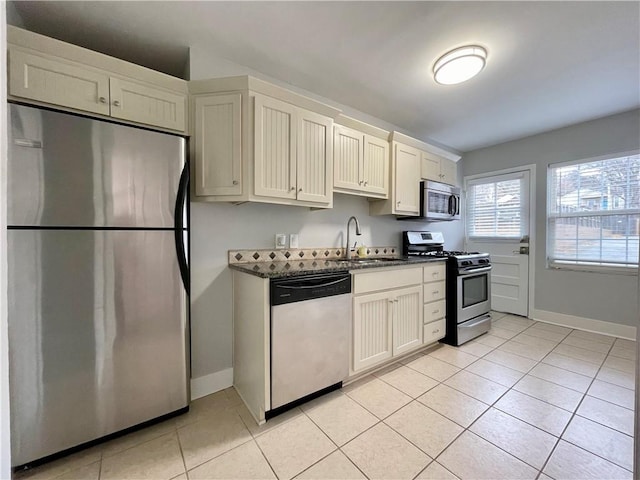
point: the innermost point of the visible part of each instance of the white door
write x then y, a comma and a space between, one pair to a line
498, 222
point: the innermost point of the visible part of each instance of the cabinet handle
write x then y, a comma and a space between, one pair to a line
235, 182
102, 100
436, 311
300, 189
116, 103
360, 182
435, 331
293, 188
434, 274
366, 183
435, 292
398, 203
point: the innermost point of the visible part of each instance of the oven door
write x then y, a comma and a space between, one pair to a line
473, 293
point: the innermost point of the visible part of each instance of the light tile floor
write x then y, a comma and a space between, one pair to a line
527, 400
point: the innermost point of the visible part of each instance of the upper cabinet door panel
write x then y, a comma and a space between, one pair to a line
430, 167
348, 158
315, 157
449, 171
407, 181
218, 145
144, 104
58, 82
275, 148
375, 174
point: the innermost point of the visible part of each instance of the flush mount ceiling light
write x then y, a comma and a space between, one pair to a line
459, 65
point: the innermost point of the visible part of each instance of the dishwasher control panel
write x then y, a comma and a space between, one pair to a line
308, 287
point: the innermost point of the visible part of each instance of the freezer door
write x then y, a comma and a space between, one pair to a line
67, 170
98, 335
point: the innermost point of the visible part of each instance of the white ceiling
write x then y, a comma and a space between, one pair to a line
550, 64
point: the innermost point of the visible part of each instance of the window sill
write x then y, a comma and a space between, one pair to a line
587, 267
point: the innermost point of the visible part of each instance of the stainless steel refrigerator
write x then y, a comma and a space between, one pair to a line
98, 279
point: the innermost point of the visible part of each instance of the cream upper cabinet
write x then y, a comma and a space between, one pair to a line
48, 71
218, 145
292, 149
257, 142
275, 148
438, 169
57, 82
406, 163
143, 103
404, 197
361, 163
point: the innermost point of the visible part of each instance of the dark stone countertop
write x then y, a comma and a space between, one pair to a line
295, 268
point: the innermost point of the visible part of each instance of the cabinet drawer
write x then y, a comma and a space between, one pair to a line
434, 291
434, 331
434, 311
386, 279
434, 273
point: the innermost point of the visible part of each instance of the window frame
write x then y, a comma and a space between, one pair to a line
578, 264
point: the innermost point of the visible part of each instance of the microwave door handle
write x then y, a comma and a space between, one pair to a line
456, 211
450, 209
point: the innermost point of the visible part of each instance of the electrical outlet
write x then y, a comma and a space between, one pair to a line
293, 240
281, 240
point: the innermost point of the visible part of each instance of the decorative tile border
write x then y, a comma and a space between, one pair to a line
329, 253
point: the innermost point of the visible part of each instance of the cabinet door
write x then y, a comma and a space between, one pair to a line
375, 171
49, 80
448, 171
142, 103
407, 320
315, 157
218, 145
348, 154
274, 148
372, 329
407, 180
430, 167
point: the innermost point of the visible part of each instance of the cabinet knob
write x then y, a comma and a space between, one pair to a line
366, 183
398, 203
116, 103
293, 188
235, 182
102, 100
360, 182
300, 189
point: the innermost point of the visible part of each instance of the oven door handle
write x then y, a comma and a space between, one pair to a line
473, 271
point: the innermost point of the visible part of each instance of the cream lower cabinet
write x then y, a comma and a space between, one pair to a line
387, 315
434, 295
59, 81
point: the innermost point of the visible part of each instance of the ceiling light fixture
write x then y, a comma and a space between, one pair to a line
459, 65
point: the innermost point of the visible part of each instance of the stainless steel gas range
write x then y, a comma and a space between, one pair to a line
468, 285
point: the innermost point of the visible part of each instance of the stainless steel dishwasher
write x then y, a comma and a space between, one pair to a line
310, 325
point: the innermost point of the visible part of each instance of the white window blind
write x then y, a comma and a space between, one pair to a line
495, 207
593, 214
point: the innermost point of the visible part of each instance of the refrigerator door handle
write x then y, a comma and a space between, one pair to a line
181, 199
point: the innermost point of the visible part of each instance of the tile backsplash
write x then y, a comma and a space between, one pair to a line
329, 253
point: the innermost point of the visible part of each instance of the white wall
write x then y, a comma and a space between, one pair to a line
599, 296
217, 228
5, 445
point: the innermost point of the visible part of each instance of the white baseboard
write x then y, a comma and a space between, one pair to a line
587, 324
212, 383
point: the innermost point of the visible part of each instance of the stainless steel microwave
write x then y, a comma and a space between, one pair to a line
438, 201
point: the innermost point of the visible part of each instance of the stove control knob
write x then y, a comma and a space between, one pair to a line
466, 262
483, 260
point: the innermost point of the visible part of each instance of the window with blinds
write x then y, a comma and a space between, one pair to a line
593, 217
495, 207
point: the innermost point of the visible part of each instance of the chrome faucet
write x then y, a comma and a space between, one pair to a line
358, 232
